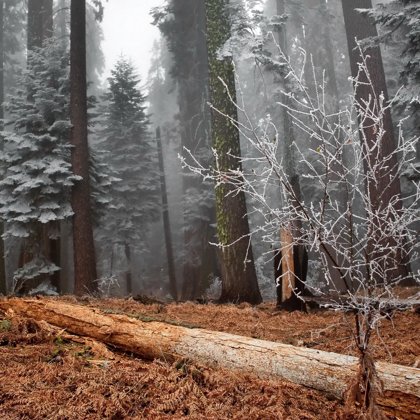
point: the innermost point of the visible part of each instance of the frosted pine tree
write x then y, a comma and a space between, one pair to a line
124, 134
35, 162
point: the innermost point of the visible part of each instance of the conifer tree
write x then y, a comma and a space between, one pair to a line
83, 245
37, 177
133, 158
182, 22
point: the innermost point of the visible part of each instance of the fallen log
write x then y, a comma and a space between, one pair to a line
324, 371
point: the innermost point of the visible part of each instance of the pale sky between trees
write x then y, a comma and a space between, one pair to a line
128, 30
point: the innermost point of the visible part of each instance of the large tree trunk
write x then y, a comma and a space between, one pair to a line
84, 251
191, 70
239, 280
328, 372
386, 187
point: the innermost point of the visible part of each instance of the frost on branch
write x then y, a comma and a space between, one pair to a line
339, 222
35, 162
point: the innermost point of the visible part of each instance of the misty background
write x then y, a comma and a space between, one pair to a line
162, 54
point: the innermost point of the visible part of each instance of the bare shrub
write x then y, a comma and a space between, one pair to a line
357, 242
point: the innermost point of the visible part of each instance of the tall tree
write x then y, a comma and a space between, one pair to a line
135, 199
386, 184
37, 173
173, 289
183, 24
84, 250
239, 280
3, 285
39, 31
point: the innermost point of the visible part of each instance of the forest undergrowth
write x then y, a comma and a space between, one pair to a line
47, 374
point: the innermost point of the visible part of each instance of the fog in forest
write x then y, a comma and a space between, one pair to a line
150, 93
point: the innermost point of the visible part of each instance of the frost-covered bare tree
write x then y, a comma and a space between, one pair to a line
368, 286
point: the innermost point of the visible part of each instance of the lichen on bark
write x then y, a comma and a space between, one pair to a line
239, 281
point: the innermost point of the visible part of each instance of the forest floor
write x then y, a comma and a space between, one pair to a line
44, 376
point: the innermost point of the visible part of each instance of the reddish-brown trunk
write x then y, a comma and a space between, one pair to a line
166, 223
84, 251
239, 279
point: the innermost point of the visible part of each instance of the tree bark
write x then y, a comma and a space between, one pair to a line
239, 280
191, 72
166, 223
40, 22
325, 371
84, 250
55, 256
3, 282
386, 187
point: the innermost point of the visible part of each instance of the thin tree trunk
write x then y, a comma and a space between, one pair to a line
55, 256
338, 195
84, 251
128, 275
3, 282
239, 280
381, 190
66, 258
166, 223
325, 371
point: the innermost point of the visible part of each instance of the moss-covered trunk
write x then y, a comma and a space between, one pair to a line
239, 280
